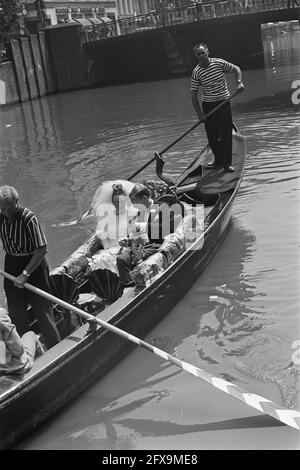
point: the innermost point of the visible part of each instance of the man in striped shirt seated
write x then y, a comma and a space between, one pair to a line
25, 248
210, 74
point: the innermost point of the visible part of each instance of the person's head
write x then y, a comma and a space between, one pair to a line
119, 198
202, 53
140, 195
8, 200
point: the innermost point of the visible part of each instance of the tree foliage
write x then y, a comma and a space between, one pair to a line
9, 20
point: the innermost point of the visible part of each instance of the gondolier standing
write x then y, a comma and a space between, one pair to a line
210, 74
25, 248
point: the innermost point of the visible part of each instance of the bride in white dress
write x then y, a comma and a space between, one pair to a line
114, 213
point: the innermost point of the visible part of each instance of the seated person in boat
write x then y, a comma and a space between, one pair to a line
108, 211
114, 212
16, 354
95, 260
154, 223
120, 237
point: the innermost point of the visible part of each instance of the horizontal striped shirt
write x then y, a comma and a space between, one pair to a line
23, 234
212, 79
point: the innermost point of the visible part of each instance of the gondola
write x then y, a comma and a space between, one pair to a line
64, 371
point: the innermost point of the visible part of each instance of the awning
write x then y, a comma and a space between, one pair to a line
95, 21
84, 22
89, 22
105, 19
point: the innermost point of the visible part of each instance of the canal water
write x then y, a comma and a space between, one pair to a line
240, 320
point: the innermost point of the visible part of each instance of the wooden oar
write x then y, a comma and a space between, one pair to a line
185, 133
287, 416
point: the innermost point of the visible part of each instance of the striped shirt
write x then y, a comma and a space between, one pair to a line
212, 79
23, 234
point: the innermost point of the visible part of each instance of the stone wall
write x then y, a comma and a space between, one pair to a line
28, 75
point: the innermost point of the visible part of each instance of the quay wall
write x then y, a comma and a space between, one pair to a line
167, 52
28, 75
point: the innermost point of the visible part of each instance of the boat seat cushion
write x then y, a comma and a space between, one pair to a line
144, 272
173, 245
77, 263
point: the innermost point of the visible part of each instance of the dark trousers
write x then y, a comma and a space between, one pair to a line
18, 299
125, 263
219, 131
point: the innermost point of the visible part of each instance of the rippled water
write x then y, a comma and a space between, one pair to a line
240, 318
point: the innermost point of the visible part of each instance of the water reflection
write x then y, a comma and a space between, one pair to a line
281, 46
108, 427
281, 50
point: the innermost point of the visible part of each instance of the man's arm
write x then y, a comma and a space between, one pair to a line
238, 75
35, 261
197, 106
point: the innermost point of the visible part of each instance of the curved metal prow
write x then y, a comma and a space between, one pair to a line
167, 178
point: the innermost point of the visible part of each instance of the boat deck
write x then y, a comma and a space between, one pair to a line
215, 181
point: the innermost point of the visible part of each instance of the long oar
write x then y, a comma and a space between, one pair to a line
185, 133
289, 417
